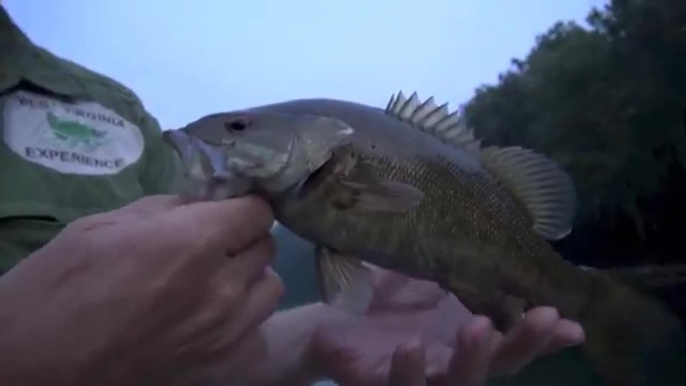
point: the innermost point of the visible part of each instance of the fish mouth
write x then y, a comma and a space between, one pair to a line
207, 176
231, 170
179, 141
192, 150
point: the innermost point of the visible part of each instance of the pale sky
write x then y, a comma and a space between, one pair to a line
190, 58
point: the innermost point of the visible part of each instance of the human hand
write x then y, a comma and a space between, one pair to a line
447, 343
141, 295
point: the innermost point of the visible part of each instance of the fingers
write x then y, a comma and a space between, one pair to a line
151, 205
232, 311
385, 284
259, 302
470, 363
526, 340
227, 225
398, 292
438, 360
566, 333
235, 314
145, 207
407, 365
246, 267
482, 352
253, 348
233, 281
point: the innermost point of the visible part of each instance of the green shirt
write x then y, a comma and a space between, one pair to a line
72, 143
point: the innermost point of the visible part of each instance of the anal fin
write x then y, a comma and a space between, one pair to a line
346, 281
503, 310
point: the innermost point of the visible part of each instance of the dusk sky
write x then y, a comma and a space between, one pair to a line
189, 58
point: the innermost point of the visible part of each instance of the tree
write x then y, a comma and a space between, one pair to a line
608, 102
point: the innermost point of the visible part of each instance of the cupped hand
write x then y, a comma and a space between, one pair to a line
151, 292
432, 339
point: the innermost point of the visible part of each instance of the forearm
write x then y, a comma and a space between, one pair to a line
288, 360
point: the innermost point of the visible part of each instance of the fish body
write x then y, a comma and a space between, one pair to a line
409, 188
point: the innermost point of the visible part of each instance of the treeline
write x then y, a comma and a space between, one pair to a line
608, 102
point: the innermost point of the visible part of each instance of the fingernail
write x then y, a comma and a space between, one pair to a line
412, 346
483, 337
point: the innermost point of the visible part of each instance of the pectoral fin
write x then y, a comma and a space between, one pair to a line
345, 280
377, 196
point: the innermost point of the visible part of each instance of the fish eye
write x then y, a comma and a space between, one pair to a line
236, 125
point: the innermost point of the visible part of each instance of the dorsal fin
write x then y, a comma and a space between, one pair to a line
433, 119
543, 189
539, 184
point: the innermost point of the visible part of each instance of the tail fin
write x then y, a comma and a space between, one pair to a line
631, 339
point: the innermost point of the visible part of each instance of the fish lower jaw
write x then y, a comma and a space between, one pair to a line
214, 189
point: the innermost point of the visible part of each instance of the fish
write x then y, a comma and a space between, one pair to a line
410, 188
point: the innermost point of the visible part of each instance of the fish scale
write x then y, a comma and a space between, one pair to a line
411, 189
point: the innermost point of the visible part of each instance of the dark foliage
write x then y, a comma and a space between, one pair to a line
608, 102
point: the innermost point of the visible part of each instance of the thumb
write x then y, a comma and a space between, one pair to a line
142, 208
152, 205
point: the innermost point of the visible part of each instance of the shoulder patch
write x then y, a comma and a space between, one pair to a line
432, 119
73, 138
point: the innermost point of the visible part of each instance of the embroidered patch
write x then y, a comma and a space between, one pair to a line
80, 138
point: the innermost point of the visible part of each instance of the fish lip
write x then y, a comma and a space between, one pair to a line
185, 145
179, 141
222, 166
218, 181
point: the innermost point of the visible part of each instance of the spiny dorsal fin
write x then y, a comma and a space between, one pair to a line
540, 184
545, 190
432, 119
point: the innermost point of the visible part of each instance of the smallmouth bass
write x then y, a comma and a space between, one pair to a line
409, 188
